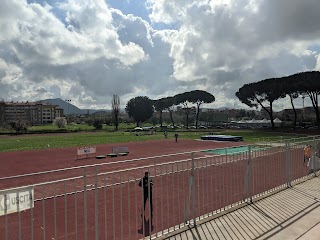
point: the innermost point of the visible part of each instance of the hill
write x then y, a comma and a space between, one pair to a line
69, 108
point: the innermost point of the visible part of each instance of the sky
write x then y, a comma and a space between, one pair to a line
88, 50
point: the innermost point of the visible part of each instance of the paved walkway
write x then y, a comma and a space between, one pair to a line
290, 214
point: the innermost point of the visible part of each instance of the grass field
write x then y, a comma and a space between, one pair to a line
80, 127
42, 141
72, 127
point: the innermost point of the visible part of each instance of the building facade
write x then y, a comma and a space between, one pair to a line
213, 117
33, 112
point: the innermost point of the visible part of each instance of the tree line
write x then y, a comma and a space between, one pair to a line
141, 108
265, 92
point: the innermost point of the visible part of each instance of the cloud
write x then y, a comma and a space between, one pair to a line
235, 42
86, 51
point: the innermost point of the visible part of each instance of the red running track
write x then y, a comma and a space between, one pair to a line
114, 212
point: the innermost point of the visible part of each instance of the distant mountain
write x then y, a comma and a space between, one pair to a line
68, 108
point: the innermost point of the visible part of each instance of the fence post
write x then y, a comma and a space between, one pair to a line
250, 174
85, 204
193, 191
191, 194
248, 177
96, 202
288, 165
313, 155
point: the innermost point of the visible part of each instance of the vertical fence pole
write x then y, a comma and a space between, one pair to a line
19, 215
129, 209
227, 184
155, 175
6, 215
255, 155
65, 212
150, 202
96, 195
183, 188
250, 174
216, 186
136, 206
85, 210
179, 205
75, 208
201, 175
248, 178
142, 208
105, 206
55, 211
193, 191
32, 207
43, 215
198, 187
168, 208
173, 208
313, 155
223, 181
121, 210
211, 187
207, 193
113, 212
288, 165
161, 199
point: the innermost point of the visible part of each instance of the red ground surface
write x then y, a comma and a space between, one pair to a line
114, 212
23, 162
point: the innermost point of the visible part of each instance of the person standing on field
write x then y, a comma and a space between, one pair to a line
176, 135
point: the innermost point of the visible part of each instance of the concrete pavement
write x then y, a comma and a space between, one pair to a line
293, 213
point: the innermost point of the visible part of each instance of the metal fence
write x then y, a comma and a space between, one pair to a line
103, 201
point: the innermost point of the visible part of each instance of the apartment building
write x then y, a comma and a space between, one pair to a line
213, 117
33, 112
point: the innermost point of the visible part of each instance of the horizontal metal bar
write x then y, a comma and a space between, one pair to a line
98, 164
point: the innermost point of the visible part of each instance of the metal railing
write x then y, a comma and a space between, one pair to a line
96, 202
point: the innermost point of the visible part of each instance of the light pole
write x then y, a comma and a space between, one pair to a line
68, 102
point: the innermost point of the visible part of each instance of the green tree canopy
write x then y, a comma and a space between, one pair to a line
140, 109
308, 83
183, 99
290, 87
199, 97
159, 106
257, 93
169, 104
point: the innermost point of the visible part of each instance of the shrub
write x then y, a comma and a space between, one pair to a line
97, 123
19, 126
60, 122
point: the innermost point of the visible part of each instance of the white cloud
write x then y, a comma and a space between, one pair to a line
317, 68
92, 51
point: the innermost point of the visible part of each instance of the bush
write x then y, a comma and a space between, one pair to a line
97, 123
19, 126
89, 122
60, 122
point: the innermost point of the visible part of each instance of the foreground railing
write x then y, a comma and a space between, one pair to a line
101, 203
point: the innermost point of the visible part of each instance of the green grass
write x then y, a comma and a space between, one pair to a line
28, 142
42, 141
78, 127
